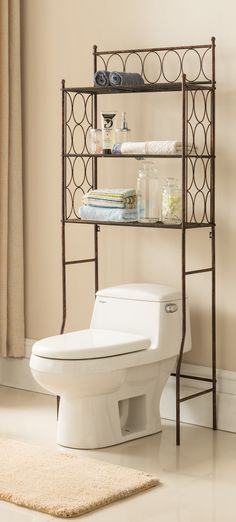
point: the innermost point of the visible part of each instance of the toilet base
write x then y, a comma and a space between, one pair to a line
98, 422
126, 414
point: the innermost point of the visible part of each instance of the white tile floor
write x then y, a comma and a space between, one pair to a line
198, 478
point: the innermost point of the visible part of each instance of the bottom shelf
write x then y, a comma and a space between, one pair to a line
159, 224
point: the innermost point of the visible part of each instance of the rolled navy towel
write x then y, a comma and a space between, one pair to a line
101, 78
125, 78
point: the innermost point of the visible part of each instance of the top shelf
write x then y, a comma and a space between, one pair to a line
157, 87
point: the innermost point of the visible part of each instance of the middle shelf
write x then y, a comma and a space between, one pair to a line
137, 156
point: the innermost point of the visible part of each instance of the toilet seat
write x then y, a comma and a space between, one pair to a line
90, 344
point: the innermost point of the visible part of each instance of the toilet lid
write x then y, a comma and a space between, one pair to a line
90, 344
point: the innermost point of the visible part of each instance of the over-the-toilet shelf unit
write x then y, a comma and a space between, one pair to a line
80, 168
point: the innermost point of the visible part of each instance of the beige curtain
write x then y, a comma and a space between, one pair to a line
11, 228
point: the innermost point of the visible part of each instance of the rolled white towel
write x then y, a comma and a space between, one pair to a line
133, 147
150, 147
163, 147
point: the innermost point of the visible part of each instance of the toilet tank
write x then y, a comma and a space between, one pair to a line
151, 310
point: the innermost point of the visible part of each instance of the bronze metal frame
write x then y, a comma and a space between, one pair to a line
80, 169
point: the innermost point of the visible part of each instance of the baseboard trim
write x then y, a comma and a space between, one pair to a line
16, 373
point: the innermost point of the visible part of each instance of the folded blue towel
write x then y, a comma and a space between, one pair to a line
125, 78
101, 79
107, 214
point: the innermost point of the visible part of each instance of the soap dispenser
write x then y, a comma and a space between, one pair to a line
123, 134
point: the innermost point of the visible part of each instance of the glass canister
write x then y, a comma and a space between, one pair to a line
95, 141
171, 203
148, 193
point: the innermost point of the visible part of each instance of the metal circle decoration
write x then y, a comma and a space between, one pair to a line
192, 64
101, 65
190, 207
80, 173
69, 108
208, 106
133, 63
208, 131
83, 184
171, 66
199, 174
77, 201
115, 62
78, 118
199, 105
191, 137
152, 62
199, 207
191, 173
69, 139
69, 203
78, 108
207, 64
208, 205
78, 136
199, 138
69, 171
190, 105
208, 174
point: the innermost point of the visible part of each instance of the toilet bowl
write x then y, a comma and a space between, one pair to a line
110, 377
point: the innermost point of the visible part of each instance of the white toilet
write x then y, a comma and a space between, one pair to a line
110, 377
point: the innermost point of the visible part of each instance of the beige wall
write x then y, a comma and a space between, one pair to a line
57, 42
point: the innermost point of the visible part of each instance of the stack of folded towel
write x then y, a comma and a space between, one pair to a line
150, 147
109, 205
115, 78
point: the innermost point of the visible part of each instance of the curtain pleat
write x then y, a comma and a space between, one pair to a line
11, 206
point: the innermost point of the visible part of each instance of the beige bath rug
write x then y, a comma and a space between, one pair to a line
63, 484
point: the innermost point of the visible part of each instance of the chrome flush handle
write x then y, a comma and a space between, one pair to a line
170, 308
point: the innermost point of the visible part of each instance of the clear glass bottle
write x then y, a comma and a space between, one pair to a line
124, 133
148, 193
171, 203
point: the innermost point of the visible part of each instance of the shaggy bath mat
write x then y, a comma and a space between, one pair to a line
62, 484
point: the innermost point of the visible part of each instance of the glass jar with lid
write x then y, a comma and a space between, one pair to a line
148, 193
171, 203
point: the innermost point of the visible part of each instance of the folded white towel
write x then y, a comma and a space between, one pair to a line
107, 214
109, 203
116, 194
